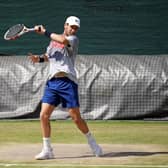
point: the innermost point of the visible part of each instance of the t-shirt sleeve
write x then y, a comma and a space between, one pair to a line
73, 40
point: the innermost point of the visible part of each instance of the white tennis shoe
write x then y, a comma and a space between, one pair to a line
45, 154
96, 149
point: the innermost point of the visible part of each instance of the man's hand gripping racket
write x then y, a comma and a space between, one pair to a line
18, 30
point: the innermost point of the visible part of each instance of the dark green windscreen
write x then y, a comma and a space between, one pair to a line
107, 26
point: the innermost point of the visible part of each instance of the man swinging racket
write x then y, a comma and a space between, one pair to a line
61, 87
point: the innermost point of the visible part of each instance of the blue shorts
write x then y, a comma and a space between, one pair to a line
61, 91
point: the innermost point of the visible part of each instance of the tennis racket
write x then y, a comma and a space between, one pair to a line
16, 31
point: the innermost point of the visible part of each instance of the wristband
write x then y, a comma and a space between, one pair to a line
47, 33
41, 59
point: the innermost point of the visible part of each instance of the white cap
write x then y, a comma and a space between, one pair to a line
73, 20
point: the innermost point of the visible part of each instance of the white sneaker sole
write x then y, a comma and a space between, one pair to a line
98, 152
44, 156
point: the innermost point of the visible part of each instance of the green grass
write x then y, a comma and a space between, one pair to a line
80, 166
106, 132
111, 132
20, 165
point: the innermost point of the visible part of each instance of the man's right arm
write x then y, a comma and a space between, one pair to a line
61, 38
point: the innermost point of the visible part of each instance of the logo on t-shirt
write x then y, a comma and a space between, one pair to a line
55, 44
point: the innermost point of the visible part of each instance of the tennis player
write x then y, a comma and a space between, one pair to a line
61, 87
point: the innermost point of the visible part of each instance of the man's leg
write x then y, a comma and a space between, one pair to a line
81, 124
76, 117
45, 114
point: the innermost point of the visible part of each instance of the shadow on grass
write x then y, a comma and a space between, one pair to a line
125, 154
114, 154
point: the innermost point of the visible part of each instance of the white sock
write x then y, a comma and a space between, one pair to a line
46, 143
89, 137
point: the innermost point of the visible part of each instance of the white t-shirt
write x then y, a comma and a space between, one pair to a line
62, 57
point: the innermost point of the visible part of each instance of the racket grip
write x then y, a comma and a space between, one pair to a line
39, 29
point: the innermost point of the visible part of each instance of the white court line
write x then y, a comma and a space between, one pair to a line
72, 165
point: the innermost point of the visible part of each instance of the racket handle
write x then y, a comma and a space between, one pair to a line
31, 29
39, 29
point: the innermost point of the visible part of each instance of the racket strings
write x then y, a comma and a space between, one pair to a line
14, 31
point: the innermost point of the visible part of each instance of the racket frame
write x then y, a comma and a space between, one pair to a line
23, 31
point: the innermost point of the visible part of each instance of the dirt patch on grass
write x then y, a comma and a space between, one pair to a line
81, 154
